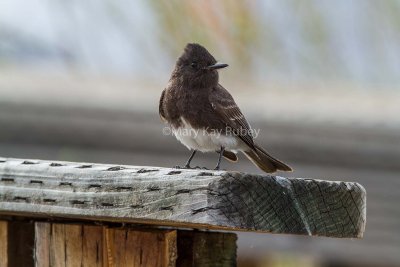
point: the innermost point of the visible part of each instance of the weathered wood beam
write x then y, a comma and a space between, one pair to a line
182, 198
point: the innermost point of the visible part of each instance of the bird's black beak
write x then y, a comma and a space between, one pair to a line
216, 66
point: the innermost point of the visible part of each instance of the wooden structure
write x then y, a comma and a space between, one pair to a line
79, 214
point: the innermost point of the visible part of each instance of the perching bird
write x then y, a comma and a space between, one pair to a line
204, 116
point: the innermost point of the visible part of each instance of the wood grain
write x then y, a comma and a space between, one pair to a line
92, 246
68, 245
206, 249
79, 245
186, 198
3, 244
141, 248
42, 244
16, 244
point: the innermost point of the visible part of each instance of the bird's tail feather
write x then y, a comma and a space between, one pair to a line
230, 156
265, 161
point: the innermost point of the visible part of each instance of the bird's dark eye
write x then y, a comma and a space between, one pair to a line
194, 64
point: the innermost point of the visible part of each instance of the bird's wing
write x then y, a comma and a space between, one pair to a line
161, 106
229, 113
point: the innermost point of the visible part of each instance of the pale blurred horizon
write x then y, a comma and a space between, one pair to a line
284, 41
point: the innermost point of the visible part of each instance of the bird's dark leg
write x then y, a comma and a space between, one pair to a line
187, 165
219, 158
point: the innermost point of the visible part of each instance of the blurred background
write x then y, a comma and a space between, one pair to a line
81, 80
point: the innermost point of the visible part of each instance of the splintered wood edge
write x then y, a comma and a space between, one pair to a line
202, 199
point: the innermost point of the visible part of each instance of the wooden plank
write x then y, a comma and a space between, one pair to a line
92, 246
3, 244
74, 245
152, 248
42, 244
16, 244
185, 198
68, 245
78, 245
20, 243
206, 249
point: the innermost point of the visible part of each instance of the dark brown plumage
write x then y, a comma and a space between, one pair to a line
194, 101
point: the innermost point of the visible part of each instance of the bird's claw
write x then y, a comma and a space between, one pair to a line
200, 168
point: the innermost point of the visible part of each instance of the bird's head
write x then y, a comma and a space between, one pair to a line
197, 67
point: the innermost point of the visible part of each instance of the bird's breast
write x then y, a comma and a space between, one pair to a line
206, 139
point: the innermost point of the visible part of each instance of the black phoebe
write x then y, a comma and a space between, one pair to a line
203, 115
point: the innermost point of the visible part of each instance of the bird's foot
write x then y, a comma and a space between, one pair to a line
201, 168
217, 168
178, 167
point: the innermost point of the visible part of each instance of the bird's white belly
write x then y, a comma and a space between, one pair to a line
204, 141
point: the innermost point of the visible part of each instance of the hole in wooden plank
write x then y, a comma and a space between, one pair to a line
65, 184
205, 174
146, 170
55, 164
195, 211
21, 199
107, 204
167, 208
183, 191
116, 168
137, 206
48, 200
124, 188
2, 160
77, 202
85, 166
153, 188
94, 186
35, 182
27, 162
188, 191
174, 172
9, 180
